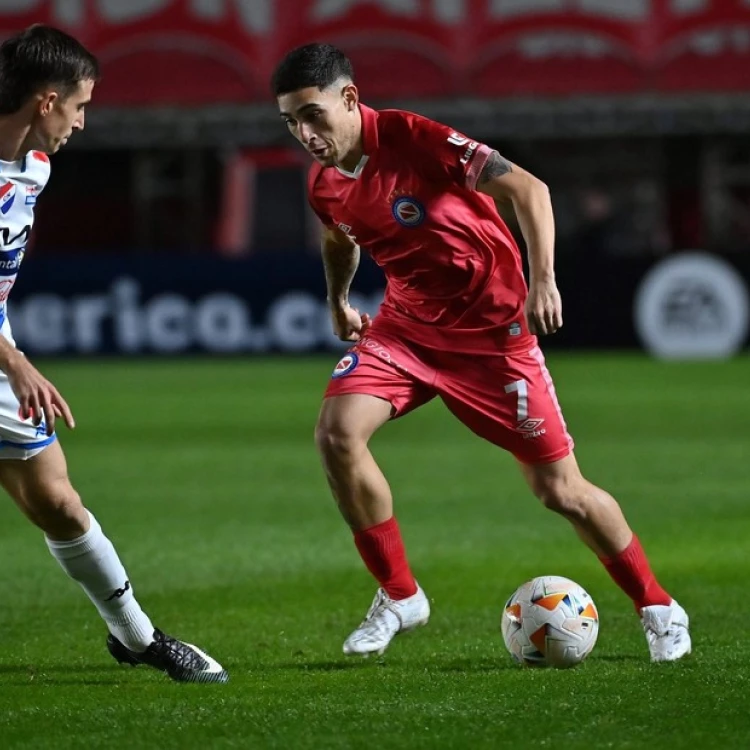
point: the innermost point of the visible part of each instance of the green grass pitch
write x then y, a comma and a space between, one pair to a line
205, 476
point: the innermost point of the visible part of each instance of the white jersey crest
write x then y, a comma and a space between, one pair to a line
21, 182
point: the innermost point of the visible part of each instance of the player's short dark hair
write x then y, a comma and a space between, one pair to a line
42, 56
314, 65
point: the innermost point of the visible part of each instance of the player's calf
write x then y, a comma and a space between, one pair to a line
92, 561
344, 428
599, 521
75, 539
594, 513
561, 495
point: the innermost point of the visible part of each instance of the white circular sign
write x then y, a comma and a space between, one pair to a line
692, 306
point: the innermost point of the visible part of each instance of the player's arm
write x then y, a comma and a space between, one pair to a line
341, 260
36, 395
504, 181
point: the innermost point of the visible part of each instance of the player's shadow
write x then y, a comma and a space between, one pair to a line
455, 666
618, 658
329, 666
56, 674
41, 669
468, 665
18, 682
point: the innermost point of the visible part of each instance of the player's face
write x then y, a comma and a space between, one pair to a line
59, 117
325, 122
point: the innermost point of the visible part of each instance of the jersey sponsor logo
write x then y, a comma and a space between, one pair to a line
531, 428
408, 212
7, 197
514, 329
10, 261
23, 235
32, 191
457, 139
345, 365
380, 351
466, 158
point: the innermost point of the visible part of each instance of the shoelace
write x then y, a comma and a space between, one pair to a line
380, 604
180, 652
379, 601
657, 627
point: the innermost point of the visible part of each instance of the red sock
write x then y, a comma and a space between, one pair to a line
632, 573
382, 550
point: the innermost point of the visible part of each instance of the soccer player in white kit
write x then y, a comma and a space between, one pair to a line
46, 81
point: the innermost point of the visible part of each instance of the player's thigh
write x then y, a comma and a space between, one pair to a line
40, 485
350, 419
511, 402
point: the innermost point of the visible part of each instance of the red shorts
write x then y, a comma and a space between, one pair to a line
508, 400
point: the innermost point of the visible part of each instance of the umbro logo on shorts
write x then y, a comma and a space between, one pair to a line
531, 428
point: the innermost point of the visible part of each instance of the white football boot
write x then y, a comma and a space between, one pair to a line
385, 619
667, 633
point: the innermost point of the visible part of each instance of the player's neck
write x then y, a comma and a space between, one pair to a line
13, 138
353, 157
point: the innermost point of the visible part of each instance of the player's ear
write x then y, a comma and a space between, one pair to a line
46, 102
351, 96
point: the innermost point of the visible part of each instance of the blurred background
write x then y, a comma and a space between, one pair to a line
177, 223
173, 279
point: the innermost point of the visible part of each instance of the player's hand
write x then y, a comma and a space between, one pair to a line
39, 399
543, 308
348, 323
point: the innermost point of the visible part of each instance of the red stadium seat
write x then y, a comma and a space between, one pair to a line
706, 50
555, 53
172, 57
158, 71
394, 54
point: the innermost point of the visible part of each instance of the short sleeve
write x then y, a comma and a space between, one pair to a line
324, 217
38, 167
444, 153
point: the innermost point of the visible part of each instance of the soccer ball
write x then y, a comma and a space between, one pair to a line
550, 622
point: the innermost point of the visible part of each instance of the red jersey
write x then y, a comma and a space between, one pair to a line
453, 270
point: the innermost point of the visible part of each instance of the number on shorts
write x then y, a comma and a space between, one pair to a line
522, 389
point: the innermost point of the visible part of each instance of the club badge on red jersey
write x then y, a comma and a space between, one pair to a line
408, 211
345, 365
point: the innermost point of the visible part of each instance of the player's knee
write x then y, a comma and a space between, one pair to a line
57, 510
563, 496
336, 441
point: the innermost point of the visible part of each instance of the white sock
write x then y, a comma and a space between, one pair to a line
93, 562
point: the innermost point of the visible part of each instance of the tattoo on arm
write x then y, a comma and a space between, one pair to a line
496, 166
340, 263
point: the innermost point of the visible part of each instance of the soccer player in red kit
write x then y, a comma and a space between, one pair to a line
457, 322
